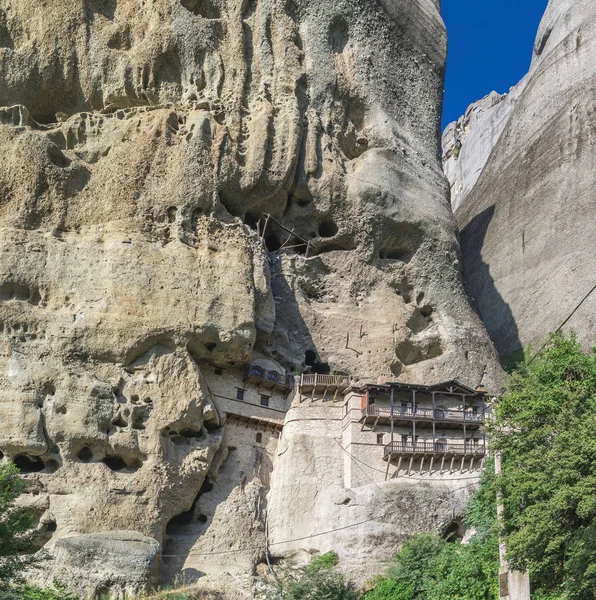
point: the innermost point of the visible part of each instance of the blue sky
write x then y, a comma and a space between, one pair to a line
490, 48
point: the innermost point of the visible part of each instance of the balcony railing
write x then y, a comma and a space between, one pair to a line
428, 447
317, 380
270, 379
423, 414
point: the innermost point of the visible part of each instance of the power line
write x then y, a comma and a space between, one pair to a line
563, 323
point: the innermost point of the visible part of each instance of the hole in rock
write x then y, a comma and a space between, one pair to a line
49, 389
210, 346
411, 352
252, 221
190, 433
327, 229
28, 464
115, 463
176, 524
400, 254
172, 212
1, 455
178, 440
339, 34
138, 421
85, 455
271, 242
50, 526
119, 421
56, 157
311, 360
208, 9
453, 532
426, 311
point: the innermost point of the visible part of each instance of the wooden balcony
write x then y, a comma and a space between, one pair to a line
427, 448
268, 379
424, 417
326, 384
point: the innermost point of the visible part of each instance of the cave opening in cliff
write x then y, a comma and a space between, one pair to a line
85, 454
115, 463
328, 229
311, 360
28, 464
453, 532
176, 524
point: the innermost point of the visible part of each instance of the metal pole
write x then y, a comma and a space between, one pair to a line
392, 405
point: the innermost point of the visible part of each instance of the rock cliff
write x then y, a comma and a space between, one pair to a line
522, 186
190, 187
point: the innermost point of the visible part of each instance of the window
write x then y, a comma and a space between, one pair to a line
264, 400
259, 438
218, 371
239, 394
379, 438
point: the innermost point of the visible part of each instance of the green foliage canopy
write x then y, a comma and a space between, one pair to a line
545, 428
18, 539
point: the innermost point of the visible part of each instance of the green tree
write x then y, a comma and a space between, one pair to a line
18, 539
431, 568
545, 429
319, 580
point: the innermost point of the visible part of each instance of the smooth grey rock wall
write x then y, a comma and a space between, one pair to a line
527, 225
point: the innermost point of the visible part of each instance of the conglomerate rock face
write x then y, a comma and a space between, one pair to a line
159, 157
523, 189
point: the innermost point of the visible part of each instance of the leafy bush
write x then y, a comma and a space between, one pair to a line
25, 592
18, 539
317, 581
325, 561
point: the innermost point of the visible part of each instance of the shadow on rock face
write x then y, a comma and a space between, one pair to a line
484, 295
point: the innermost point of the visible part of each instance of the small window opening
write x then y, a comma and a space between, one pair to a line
218, 371
264, 400
380, 439
259, 438
239, 394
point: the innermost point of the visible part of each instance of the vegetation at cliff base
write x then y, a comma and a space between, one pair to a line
545, 429
18, 539
430, 567
319, 580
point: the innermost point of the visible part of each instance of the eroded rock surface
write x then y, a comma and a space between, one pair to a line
527, 231
189, 185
